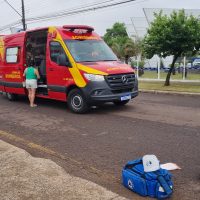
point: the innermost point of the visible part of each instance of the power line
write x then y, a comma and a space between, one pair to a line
43, 5
21, 15
60, 12
13, 8
75, 11
10, 25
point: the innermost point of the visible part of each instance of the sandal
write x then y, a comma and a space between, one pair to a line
34, 105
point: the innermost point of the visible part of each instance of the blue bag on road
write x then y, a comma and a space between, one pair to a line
155, 184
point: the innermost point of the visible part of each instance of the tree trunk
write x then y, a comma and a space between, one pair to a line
126, 59
174, 71
167, 81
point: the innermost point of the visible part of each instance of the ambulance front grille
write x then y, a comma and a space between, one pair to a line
121, 81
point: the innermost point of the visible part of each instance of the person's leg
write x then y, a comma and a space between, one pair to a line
33, 86
33, 95
29, 95
33, 90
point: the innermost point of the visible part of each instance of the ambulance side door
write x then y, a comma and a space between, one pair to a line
57, 75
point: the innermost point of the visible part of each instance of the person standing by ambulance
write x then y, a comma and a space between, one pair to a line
31, 75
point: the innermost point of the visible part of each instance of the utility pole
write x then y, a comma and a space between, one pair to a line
23, 16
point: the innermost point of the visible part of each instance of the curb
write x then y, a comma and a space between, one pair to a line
171, 80
169, 92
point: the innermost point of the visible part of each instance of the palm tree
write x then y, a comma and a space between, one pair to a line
129, 49
118, 50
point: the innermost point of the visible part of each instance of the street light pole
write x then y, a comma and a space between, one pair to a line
23, 16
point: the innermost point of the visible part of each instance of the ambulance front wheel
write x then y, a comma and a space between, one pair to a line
77, 102
11, 97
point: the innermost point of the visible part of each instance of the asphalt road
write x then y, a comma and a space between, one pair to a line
95, 146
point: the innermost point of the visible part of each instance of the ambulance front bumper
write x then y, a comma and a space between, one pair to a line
101, 92
114, 97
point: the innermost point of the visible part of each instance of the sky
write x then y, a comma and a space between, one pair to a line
130, 13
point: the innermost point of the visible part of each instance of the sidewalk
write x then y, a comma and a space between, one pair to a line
172, 80
169, 92
24, 177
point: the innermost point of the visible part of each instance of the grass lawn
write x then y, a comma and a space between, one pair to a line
174, 86
177, 76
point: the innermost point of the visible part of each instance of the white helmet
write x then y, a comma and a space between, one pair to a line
150, 163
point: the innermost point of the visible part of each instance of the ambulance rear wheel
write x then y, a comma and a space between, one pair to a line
11, 97
77, 102
121, 103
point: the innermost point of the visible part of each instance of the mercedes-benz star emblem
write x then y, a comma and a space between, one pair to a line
124, 79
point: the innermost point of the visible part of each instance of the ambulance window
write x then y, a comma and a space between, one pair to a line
12, 55
55, 50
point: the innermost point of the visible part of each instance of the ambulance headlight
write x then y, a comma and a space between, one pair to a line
94, 77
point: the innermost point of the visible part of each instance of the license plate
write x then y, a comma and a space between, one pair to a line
127, 97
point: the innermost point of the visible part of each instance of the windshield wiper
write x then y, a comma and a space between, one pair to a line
87, 61
107, 60
94, 60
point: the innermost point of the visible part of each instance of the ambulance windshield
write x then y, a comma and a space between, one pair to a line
90, 50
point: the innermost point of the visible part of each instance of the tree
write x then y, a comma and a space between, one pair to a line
117, 38
116, 33
175, 35
117, 50
140, 66
129, 49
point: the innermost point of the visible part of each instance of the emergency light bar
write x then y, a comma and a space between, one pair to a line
72, 28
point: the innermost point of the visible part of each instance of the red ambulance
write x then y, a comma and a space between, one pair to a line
75, 65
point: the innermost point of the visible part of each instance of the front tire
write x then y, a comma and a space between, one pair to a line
11, 97
77, 102
121, 103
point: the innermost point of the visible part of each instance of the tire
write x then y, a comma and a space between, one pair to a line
121, 103
77, 102
11, 97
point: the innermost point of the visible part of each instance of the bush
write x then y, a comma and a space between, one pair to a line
140, 67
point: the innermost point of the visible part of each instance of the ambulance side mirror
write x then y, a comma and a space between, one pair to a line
63, 60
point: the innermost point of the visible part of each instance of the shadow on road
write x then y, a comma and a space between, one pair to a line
100, 109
